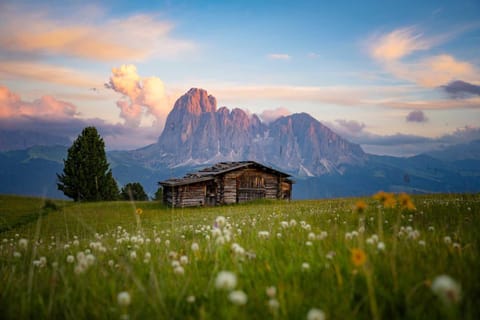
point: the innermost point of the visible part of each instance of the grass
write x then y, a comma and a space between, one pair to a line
302, 248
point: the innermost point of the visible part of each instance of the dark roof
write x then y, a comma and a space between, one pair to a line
209, 173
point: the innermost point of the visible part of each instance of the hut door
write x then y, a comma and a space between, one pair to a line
211, 195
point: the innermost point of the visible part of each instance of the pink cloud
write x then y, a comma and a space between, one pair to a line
430, 71
47, 73
139, 95
132, 38
47, 107
273, 114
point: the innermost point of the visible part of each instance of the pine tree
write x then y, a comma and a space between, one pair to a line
133, 191
86, 174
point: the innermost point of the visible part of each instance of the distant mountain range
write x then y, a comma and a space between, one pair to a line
197, 134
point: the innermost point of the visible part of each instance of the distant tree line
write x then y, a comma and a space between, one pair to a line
87, 175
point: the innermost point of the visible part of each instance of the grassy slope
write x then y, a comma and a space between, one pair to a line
336, 286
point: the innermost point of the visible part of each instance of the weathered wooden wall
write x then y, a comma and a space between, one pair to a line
241, 185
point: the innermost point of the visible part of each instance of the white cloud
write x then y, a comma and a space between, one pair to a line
279, 56
273, 114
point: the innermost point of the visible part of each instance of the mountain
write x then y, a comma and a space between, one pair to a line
22, 139
467, 151
197, 133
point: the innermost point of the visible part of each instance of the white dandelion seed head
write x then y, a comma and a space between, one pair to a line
273, 304
178, 270
238, 297
70, 259
264, 234
124, 299
447, 289
315, 314
226, 280
23, 243
381, 246
305, 266
271, 291
195, 247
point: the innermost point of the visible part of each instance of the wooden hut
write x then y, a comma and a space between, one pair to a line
227, 183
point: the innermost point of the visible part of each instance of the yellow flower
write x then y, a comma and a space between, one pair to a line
406, 202
387, 199
358, 257
360, 206
139, 211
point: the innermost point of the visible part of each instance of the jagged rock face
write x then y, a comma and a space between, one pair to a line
197, 133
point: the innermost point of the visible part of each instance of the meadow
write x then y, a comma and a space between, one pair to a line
379, 257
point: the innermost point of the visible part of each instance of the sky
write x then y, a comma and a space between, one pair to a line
397, 77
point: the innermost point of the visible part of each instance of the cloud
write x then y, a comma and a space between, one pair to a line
131, 38
392, 49
470, 103
351, 126
11, 105
50, 116
461, 89
416, 116
397, 44
279, 56
273, 114
47, 73
139, 95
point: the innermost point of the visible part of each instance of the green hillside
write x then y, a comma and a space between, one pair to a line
343, 259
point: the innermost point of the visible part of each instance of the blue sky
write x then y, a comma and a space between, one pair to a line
398, 77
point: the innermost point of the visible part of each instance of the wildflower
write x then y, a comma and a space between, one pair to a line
385, 198
17, 254
381, 246
183, 260
406, 202
305, 266
124, 299
315, 314
220, 222
330, 255
360, 206
358, 257
139, 211
447, 289
191, 299
70, 259
179, 270
422, 243
23, 243
226, 280
133, 255
447, 240
308, 243
273, 304
284, 224
195, 247
238, 297
311, 236
271, 291
263, 234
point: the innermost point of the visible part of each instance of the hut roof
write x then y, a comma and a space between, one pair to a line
209, 173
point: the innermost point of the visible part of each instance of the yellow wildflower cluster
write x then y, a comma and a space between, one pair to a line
358, 257
388, 200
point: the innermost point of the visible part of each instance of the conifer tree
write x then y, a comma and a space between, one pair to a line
86, 174
133, 191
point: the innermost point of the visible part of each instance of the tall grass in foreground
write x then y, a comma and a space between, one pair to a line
339, 259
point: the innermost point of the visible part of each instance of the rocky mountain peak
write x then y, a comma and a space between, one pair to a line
196, 101
197, 133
